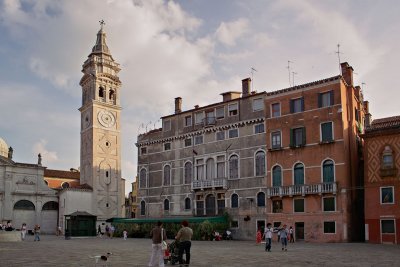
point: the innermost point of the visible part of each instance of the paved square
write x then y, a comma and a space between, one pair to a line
55, 251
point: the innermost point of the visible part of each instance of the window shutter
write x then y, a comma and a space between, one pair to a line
331, 98
291, 138
291, 106
304, 136
319, 100
302, 104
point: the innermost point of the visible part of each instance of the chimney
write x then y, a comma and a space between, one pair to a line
347, 73
246, 83
178, 105
227, 96
367, 119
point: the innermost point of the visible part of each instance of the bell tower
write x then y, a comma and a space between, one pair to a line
100, 159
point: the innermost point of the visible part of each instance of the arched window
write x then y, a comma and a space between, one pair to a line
210, 169
187, 204
51, 205
234, 167
24, 205
387, 158
261, 199
234, 201
260, 163
142, 208
112, 95
328, 171
299, 174
101, 93
167, 175
65, 185
188, 172
142, 178
277, 176
166, 204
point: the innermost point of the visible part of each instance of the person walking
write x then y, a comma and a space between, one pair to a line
268, 237
157, 234
23, 231
184, 237
284, 234
125, 233
258, 236
36, 231
99, 231
291, 233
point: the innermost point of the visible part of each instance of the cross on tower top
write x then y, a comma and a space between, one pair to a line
102, 23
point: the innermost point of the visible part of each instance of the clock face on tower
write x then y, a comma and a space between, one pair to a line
106, 118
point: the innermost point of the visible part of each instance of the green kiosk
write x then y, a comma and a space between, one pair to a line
80, 223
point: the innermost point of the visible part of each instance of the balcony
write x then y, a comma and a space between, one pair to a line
209, 184
302, 190
209, 121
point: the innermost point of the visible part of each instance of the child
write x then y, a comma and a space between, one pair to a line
284, 234
125, 234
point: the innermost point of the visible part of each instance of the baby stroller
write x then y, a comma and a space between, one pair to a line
172, 253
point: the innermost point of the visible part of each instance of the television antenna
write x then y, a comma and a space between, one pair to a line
252, 74
288, 67
293, 73
338, 54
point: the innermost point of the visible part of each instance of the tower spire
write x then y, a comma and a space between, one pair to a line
101, 46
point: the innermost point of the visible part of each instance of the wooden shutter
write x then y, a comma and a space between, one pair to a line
291, 106
291, 138
320, 100
304, 136
331, 97
302, 104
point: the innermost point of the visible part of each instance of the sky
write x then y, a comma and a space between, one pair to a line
194, 49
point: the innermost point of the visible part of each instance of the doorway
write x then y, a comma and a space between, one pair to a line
210, 205
299, 230
261, 225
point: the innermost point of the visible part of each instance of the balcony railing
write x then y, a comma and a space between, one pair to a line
305, 189
211, 183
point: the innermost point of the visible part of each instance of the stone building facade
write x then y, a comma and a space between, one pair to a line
313, 158
206, 161
382, 180
24, 196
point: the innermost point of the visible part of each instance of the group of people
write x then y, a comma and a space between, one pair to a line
284, 234
109, 231
23, 230
6, 227
159, 236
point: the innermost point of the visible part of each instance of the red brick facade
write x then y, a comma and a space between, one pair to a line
382, 181
318, 153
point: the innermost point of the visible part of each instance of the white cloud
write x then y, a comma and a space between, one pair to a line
228, 32
47, 156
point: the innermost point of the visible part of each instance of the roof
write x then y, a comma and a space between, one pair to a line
61, 174
220, 219
80, 213
388, 123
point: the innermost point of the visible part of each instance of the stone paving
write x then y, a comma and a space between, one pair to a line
56, 251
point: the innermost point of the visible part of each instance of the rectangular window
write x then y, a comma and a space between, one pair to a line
167, 125
276, 140
325, 99
143, 150
233, 133
387, 226
276, 110
258, 104
277, 206
198, 139
234, 224
298, 205
188, 142
220, 166
220, 135
298, 137
328, 203
326, 132
259, 128
199, 117
188, 121
387, 195
233, 109
220, 112
167, 146
329, 227
297, 105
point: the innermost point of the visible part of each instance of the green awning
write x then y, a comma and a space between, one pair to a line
220, 219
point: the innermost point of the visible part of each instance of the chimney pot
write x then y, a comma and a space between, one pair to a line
347, 73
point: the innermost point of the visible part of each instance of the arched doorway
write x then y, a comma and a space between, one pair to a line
24, 212
210, 205
49, 217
